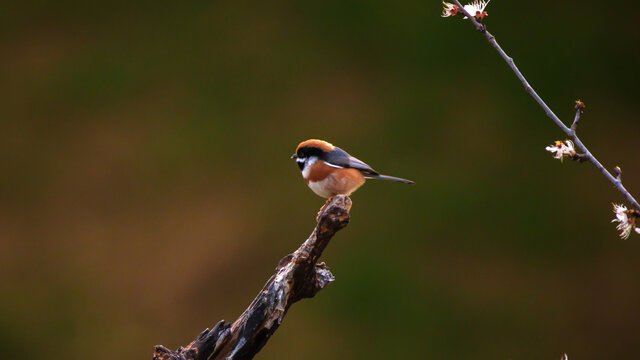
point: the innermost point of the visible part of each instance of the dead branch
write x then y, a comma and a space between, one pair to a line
296, 277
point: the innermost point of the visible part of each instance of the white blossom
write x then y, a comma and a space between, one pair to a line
449, 9
476, 9
626, 223
621, 213
561, 149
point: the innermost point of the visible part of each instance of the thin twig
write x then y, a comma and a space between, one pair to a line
576, 119
588, 156
618, 173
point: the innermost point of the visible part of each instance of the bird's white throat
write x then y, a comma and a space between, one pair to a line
307, 165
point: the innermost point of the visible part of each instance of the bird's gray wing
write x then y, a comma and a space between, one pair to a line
341, 158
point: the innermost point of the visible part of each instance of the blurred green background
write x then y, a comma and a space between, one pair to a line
147, 190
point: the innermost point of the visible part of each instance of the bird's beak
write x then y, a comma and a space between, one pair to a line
294, 156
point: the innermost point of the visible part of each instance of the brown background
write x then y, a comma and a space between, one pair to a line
147, 190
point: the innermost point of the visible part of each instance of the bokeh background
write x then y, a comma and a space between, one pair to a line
147, 190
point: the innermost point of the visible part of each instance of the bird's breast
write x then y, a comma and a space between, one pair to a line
335, 181
317, 171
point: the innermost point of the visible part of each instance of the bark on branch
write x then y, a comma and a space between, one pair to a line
296, 277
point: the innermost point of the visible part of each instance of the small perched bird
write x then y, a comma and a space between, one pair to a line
329, 170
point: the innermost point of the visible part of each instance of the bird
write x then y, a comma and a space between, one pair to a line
329, 170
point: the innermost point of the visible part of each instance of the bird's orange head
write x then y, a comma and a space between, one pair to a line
315, 144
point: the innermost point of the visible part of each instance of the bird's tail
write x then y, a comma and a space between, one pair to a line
391, 178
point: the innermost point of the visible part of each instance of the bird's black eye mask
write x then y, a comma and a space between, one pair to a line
306, 152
